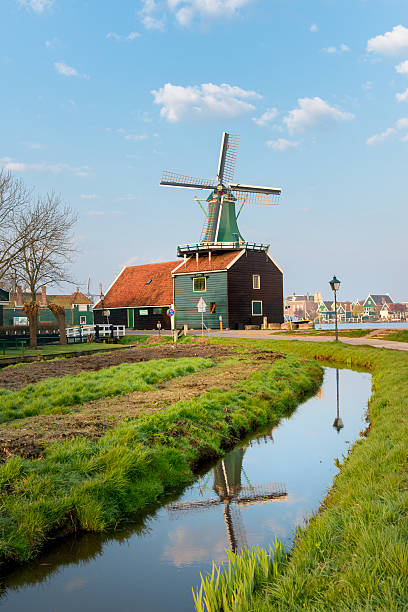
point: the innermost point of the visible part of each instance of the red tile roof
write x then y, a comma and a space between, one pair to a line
132, 287
218, 262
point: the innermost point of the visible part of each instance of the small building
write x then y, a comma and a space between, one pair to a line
397, 311
78, 308
139, 297
302, 306
374, 302
241, 286
4, 301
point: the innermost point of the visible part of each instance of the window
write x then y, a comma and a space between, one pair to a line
199, 283
256, 281
157, 311
82, 307
148, 282
143, 312
82, 320
212, 308
256, 308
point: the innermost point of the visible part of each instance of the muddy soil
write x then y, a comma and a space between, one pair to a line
28, 437
17, 377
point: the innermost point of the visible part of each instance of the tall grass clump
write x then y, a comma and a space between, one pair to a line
59, 395
91, 485
353, 555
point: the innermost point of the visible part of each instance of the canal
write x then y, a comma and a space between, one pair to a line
261, 490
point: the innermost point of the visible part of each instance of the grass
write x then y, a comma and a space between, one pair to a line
133, 339
397, 336
55, 349
347, 333
353, 555
59, 395
91, 485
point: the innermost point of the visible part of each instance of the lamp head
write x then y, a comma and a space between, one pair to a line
334, 283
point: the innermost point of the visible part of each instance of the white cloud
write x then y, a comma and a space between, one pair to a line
54, 168
153, 13
402, 97
404, 138
38, 6
402, 68
268, 116
200, 101
368, 85
314, 27
402, 123
314, 112
281, 144
123, 37
342, 49
380, 137
89, 196
148, 15
35, 146
65, 70
128, 135
390, 43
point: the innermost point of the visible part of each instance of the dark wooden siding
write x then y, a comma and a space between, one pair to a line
119, 316
241, 292
1, 315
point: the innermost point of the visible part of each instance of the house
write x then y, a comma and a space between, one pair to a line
396, 311
325, 312
373, 303
302, 306
139, 297
78, 308
241, 286
4, 301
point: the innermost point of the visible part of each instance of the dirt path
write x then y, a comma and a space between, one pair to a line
28, 437
17, 377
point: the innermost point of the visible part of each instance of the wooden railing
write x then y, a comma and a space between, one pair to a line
105, 331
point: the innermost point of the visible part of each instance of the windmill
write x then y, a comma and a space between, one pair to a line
220, 229
231, 495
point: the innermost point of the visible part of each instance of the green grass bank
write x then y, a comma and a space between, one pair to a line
59, 395
91, 485
353, 555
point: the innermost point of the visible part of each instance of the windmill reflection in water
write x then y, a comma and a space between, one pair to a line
231, 495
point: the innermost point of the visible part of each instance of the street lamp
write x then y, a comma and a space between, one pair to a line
335, 284
338, 423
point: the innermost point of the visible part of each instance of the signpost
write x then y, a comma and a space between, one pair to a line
201, 307
170, 312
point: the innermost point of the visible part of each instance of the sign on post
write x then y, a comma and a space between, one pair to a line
201, 307
170, 312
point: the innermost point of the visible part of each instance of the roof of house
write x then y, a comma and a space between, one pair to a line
380, 299
148, 285
397, 307
66, 301
218, 261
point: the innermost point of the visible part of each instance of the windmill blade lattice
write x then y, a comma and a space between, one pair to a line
172, 179
228, 158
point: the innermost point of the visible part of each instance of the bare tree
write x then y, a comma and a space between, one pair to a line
59, 314
46, 250
14, 199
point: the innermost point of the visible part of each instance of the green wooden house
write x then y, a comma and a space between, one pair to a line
374, 302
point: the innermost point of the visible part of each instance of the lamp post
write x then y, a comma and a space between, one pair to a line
338, 423
335, 284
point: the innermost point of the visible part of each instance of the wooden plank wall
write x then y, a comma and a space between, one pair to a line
186, 300
241, 292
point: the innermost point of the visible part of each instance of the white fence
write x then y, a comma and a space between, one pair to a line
82, 331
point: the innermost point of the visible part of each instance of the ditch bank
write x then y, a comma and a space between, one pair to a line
353, 555
88, 485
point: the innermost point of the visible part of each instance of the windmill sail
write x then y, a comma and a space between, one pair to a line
220, 227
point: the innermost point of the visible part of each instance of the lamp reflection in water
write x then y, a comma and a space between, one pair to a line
338, 423
231, 494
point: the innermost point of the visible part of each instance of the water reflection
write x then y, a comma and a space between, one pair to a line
153, 564
338, 423
232, 494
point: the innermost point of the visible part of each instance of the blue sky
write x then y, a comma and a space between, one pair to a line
98, 97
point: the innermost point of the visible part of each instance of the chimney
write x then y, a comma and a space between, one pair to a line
43, 302
197, 259
19, 297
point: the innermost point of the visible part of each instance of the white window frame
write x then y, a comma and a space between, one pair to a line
252, 308
256, 276
205, 284
81, 322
